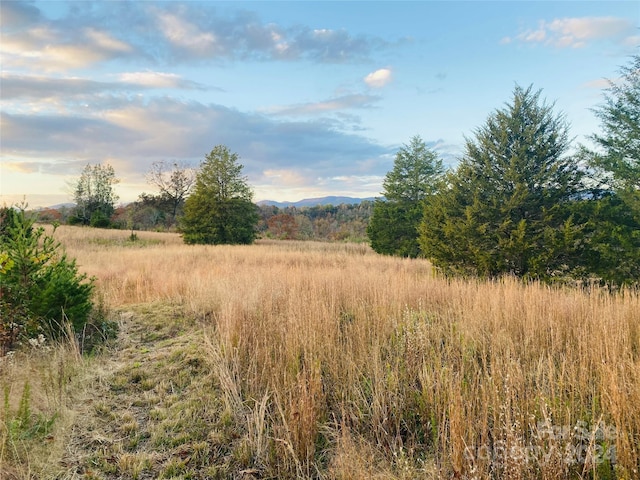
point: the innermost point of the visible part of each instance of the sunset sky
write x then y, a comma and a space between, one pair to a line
315, 97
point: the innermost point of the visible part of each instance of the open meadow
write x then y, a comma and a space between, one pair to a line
325, 360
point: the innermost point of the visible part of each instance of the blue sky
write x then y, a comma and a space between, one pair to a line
315, 97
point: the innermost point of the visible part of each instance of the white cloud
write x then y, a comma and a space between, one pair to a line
156, 80
50, 49
39, 93
379, 78
144, 131
285, 177
332, 105
598, 84
577, 32
184, 34
632, 41
106, 42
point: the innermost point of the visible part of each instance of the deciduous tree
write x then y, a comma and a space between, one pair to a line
94, 195
220, 209
174, 181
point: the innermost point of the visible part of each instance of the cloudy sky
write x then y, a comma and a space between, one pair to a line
315, 97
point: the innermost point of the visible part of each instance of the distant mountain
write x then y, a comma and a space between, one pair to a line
313, 202
58, 206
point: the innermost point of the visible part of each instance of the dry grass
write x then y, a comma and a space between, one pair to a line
329, 361
36, 383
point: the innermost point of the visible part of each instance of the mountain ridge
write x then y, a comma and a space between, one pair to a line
313, 202
305, 202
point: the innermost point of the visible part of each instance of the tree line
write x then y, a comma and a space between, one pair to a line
519, 202
522, 201
221, 184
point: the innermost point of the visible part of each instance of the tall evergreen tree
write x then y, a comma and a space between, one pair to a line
220, 209
393, 228
506, 208
618, 158
613, 212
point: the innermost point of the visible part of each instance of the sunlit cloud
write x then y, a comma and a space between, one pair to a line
187, 35
64, 89
158, 80
20, 167
167, 34
332, 105
105, 42
285, 177
49, 49
197, 32
379, 78
144, 131
577, 32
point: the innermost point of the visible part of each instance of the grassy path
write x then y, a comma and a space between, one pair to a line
151, 408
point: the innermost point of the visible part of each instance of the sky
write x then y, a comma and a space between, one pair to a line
316, 98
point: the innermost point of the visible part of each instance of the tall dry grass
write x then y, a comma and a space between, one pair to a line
35, 383
339, 363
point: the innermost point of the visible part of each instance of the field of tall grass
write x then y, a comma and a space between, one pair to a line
335, 362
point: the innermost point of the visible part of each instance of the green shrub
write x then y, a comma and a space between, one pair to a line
99, 219
40, 288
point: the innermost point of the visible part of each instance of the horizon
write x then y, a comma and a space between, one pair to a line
316, 101
71, 204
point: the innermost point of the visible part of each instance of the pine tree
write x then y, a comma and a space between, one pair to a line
506, 208
613, 213
393, 228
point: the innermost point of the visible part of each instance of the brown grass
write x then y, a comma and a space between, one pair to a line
334, 362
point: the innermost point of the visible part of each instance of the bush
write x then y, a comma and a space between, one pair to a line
40, 288
99, 220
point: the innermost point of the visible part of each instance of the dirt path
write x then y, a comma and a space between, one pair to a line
151, 408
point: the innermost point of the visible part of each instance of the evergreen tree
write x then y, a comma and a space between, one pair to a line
40, 287
393, 228
618, 161
613, 213
220, 209
506, 209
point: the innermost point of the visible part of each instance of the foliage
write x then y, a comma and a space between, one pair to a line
94, 196
283, 226
220, 209
344, 222
610, 239
21, 424
393, 229
174, 181
146, 213
618, 161
612, 214
40, 288
506, 209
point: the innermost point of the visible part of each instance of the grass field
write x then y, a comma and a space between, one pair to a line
317, 360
